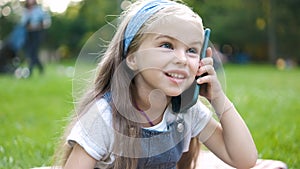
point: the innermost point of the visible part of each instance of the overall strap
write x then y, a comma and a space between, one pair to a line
107, 96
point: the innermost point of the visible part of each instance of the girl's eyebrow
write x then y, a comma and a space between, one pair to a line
162, 36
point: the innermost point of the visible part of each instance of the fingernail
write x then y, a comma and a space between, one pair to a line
201, 63
198, 80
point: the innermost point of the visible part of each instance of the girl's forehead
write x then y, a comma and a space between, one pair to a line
183, 29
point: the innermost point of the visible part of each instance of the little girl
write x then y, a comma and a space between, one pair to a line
126, 120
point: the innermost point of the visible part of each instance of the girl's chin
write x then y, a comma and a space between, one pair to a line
177, 91
174, 93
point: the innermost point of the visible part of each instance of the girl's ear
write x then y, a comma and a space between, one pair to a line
131, 62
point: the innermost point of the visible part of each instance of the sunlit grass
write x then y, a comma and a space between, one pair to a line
32, 112
268, 99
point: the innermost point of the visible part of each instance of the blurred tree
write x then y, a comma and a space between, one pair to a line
6, 25
287, 25
263, 29
8, 17
78, 23
233, 24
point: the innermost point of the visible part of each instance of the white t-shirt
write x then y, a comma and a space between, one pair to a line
94, 132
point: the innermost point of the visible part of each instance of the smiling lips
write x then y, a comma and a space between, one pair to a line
176, 75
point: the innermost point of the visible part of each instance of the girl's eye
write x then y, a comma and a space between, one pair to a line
192, 50
167, 45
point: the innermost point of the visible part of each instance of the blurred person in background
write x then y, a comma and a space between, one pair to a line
35, 20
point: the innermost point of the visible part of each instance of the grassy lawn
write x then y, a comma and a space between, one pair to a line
33, 112
268, 99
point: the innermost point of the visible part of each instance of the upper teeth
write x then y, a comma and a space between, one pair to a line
179, 76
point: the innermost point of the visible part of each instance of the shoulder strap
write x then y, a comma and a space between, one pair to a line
107, 96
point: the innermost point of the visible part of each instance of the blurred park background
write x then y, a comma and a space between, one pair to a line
259, 38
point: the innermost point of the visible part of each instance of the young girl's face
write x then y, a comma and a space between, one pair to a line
168, 57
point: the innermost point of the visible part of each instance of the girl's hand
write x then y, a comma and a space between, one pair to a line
210, 86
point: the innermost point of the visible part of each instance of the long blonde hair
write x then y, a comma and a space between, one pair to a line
107, 78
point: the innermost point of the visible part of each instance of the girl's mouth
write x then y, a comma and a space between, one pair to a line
176, 75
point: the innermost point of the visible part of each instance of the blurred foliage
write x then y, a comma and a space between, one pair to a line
78, 23
262, 29
250, 26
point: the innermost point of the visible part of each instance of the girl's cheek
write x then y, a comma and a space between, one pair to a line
194, 66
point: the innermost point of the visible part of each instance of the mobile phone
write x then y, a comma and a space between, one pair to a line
189, 97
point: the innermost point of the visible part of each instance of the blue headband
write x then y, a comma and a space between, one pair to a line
140, 18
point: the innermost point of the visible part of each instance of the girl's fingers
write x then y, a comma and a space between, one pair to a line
206, 61
205, 79
206, 69
209, 52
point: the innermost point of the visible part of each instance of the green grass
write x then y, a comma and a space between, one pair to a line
268, 99
32, 112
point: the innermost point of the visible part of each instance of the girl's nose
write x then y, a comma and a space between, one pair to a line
180, 56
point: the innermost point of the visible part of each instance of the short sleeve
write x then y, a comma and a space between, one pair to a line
93, 131
200, 116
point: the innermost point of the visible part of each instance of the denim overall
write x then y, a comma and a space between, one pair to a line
169, 143
162, 150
